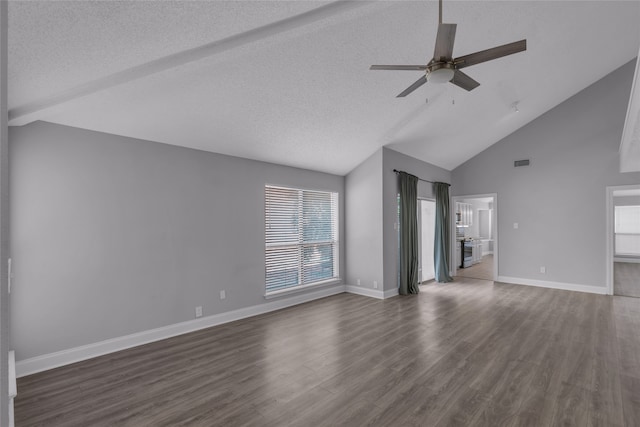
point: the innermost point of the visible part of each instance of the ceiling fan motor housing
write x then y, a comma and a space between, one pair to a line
440, 72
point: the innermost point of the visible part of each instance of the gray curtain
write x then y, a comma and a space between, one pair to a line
408, 234
441, 240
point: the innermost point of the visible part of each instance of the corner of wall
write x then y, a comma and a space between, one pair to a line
363, 218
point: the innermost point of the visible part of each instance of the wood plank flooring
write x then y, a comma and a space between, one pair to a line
482, 270
626, 279
469, 353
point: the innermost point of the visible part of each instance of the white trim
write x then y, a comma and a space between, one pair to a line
624, 259
553, 285
295, 289
367, 292
609, 235
373, 293
609, 241
391, 293
13, 389
77, 354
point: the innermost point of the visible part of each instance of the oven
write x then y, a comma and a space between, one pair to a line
467, 254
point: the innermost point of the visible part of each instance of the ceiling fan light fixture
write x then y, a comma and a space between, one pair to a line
441, 75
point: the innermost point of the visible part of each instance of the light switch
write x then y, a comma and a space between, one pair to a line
515, 225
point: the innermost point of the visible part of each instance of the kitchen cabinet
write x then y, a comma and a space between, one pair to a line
477, 252
464, 214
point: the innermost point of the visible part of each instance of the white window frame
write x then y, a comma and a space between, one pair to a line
619, 231
300, 244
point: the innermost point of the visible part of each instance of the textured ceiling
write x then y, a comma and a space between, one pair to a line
302, 95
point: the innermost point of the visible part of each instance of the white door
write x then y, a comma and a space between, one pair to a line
427, 219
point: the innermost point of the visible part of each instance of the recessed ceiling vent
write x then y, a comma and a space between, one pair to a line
518, 163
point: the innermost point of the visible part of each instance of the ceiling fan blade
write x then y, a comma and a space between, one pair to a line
399, 67
444, 41
422, 80
489, 54
464, 81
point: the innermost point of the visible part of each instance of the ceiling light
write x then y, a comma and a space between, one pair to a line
441, 75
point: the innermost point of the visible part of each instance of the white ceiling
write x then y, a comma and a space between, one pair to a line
299, 91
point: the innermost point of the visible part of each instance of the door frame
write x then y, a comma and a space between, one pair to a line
420, 234
452, 235
610, 235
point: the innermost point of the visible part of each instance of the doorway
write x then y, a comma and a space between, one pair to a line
426, 233
623, 240
474, 236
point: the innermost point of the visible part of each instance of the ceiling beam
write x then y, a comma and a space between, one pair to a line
35, 110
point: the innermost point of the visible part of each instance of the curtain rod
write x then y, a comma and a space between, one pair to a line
425, 180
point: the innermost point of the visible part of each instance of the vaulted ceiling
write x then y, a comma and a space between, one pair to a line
289, 81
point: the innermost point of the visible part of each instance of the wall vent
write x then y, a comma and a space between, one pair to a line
521, 163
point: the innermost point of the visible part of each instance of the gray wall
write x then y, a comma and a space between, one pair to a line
559, 200
4, 219
112, 235
364, 223
393, 160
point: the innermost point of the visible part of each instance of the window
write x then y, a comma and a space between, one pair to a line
301, 234
627, 230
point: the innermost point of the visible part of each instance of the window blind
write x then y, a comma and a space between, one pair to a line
627, 230
301, 236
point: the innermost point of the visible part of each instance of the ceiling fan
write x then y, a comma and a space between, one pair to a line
444, 68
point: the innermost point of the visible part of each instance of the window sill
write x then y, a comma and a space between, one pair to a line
289, 291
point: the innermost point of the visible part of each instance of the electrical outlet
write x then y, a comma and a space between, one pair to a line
358, 282
515, 225
223, 294
375, 284
543, 269
199, 311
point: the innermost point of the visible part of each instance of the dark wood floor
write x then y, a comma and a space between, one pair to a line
465, 353
626, 279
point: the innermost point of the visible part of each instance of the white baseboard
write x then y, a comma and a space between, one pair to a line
77, 354
391, 293
373, 293
554, 285
623, 259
